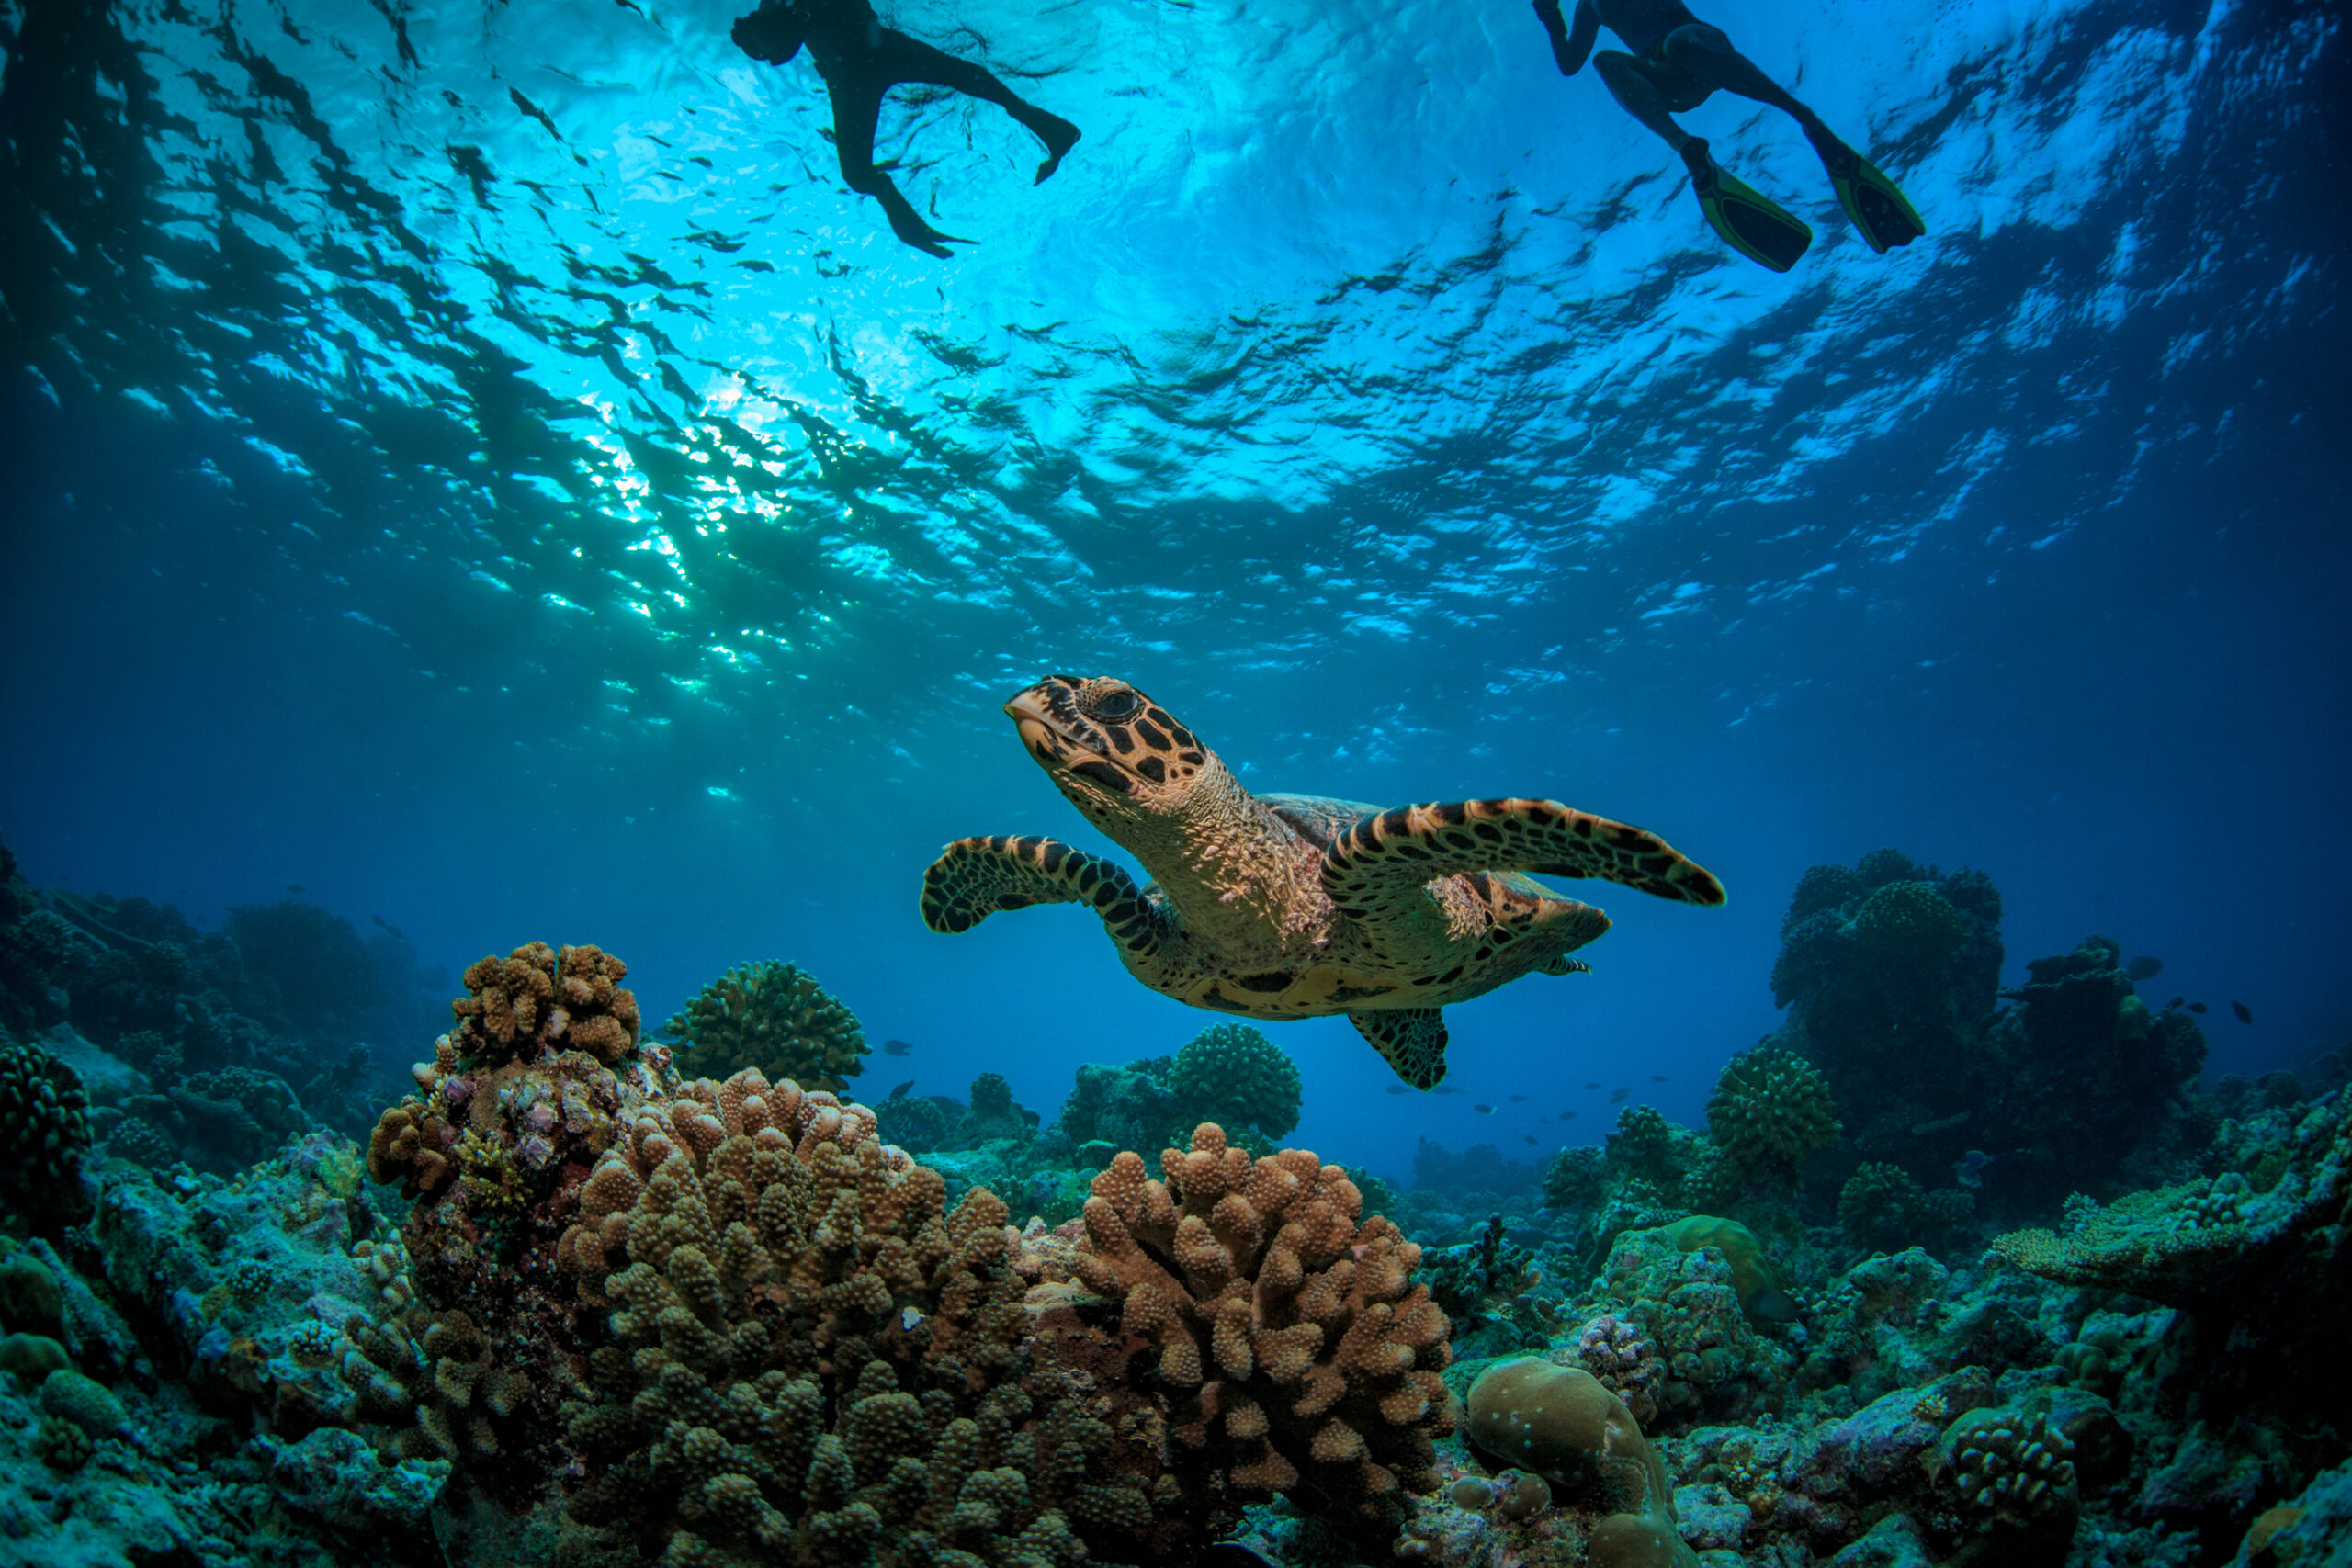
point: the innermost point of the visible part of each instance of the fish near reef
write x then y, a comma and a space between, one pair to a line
2245, 1013
1517, 1098
1484, 1110
1290, 906
2144, 968
896, 1048
1617, 1096
2199, 1008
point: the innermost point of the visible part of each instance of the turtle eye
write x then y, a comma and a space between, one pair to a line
1118, 704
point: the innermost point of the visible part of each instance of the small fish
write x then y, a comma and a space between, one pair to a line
1658, 1077
1617, 1096
901, 1092
1965, 1168
2198, 1007
896, 1047
2245, 1013
2173, 1003
1529, 1136
1595, 1083
1567, 1115
1448, 1088
1484, 1110
1545, 1119
1517, 1098
294, 887
1400, 1089
2144, 968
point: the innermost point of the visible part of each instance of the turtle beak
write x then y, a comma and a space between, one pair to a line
1049, 734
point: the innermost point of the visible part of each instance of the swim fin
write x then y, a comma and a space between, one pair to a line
1881, 213
1749, 221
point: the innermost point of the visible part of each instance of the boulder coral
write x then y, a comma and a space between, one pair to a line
811, 1361
773, 1017
1560, 1423
1277, 1334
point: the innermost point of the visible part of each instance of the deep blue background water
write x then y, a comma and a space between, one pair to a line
479, 464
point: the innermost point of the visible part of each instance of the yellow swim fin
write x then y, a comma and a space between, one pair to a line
1749, 221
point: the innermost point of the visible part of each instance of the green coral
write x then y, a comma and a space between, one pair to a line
773, 1017
1234, 1076
1577, 1177
1881, 1206
44, 1134
1771, 1108
1909, 918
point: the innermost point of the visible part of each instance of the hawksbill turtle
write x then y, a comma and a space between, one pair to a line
1293, 905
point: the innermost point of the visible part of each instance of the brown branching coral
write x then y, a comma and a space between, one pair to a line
811, 1362
537, 998
1294, 1352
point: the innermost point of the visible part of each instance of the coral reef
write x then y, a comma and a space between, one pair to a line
1277, 1338
770, 1016
1890, 975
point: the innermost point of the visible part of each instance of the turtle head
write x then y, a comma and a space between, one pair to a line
1108, 747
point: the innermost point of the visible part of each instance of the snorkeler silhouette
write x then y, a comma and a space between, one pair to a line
1678, 62
861, 60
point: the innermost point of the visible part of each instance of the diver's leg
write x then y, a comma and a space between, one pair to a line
1706, 54
912, 60
1878, 207
1630, 82
857, 107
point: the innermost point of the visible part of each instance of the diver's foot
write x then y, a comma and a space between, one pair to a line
1744, 218
1058, 135
1881, 214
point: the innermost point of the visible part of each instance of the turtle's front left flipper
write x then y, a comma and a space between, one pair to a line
1390, 856
1412, 1039
974, 878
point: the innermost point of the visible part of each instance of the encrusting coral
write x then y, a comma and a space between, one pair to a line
811, 1361
772, 1017
1291, 1350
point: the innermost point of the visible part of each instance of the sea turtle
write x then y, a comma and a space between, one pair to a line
1293, 906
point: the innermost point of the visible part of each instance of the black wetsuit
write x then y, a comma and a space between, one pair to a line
861, 60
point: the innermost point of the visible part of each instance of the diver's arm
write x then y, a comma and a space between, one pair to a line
1570, 46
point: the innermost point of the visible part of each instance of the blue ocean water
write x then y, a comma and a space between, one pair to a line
479, 465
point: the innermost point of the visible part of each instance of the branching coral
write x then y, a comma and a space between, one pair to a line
44, 1134
1770, 1108
537, 1000
1233, 1075
810, 1362
1278, 1320
772, 1017
1882, 1206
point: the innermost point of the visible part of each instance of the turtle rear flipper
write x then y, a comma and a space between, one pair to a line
1386, 859
1411, 1039
974, 878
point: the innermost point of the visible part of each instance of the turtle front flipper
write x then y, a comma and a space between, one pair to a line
974, 878
1382, 861
1412, 1039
